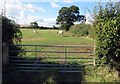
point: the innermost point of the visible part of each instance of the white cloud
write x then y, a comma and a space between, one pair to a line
48, 22
88, 18
68, 1
14, 7
26, 19
33, 8
22, 13
54, 5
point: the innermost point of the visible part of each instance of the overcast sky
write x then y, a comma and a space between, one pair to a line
44, 11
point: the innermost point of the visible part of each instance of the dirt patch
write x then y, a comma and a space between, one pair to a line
32, 39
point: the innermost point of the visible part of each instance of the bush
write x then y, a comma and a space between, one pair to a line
106, 23
80, 29
10, 31
101, 74
11, 34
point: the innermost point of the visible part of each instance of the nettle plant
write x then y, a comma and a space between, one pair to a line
107, 25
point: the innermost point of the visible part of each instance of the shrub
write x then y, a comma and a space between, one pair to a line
106, 23
11, 34
10, 31
101, 74
80, 29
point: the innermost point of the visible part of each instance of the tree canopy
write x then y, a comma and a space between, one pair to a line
68, 15
34, 24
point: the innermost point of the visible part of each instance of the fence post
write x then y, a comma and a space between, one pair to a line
65, 56
94, 61
94, 57
5, 54
36, 58
0, 51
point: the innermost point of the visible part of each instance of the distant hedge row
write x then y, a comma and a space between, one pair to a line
82, 30
39, 27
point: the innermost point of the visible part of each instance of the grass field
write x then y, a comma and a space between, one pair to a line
51, 37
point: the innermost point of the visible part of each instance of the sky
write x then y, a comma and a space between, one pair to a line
44, 12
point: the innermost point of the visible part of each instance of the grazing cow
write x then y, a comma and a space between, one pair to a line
60, 32
35, 31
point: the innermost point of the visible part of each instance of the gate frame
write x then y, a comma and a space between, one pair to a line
65, 51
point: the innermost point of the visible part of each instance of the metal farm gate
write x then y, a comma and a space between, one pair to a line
63, 58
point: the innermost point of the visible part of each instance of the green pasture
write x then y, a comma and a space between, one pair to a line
51, 37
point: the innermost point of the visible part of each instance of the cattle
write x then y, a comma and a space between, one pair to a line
60, 32
35, 31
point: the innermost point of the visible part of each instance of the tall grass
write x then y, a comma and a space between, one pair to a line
101, 74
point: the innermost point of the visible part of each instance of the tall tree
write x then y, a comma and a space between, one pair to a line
68, 15
34, 24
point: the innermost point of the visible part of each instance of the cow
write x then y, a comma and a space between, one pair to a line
60, 32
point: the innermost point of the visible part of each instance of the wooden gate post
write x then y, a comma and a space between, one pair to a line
0, 50
5, 53
94, 57
94, 61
